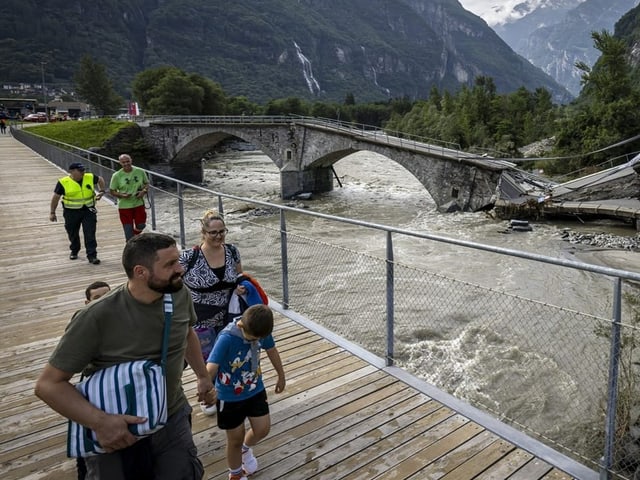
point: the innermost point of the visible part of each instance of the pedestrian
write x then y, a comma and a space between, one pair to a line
3, 126
234, 363
77, 191
211, 273
129, 185
93, 292
134, 315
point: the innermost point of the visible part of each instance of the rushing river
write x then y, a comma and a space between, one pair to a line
378, 190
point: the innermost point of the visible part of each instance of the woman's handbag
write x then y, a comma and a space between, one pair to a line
131, 388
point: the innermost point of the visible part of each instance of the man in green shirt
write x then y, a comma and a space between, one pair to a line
127, 324
129, 185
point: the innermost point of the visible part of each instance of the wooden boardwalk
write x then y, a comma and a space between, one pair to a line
339, 417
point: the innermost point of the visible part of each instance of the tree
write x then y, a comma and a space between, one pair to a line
214, 100
606, 112
610, 79
170, 91
176, 95
94, 86
242, 106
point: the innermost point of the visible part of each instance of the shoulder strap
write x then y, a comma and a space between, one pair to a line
234, 252
168, 313
194, 258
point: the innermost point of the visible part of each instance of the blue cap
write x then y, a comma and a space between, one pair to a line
76, 166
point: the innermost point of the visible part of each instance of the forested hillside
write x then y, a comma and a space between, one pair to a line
264, 49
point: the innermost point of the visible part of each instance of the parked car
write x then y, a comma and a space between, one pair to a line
39, 117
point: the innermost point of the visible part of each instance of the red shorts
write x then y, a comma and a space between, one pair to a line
136, 216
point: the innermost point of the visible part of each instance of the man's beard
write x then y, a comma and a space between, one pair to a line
172, 285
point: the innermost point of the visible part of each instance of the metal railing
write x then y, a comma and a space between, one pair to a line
563, 376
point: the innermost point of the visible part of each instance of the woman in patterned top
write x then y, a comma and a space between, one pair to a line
211, 270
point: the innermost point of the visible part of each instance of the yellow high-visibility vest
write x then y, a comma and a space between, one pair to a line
77, 196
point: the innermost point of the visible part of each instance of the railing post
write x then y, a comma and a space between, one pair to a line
390, 303
612, 397
220, 206
285, 260
152, 203
183, 240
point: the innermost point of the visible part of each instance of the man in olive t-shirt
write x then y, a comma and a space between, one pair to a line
127, 324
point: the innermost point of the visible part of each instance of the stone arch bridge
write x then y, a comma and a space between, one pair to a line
304, 150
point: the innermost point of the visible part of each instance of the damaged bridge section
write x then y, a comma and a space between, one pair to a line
611, 193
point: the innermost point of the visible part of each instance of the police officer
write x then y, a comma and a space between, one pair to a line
78, 193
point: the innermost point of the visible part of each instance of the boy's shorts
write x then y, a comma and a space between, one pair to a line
233, 414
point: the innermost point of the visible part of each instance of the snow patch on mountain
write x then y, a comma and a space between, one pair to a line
500, 12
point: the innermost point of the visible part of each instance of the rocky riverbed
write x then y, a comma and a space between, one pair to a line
605, 249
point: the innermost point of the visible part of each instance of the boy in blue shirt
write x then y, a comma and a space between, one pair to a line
234, 364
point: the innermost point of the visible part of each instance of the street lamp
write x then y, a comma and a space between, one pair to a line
44, 91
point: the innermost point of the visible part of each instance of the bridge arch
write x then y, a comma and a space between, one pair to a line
304, 151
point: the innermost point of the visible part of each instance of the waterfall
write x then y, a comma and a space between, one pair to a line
307, 71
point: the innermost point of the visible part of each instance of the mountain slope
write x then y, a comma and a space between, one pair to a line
557, 35
263, 49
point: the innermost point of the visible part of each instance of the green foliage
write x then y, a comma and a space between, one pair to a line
606, 112
287, 106
95, 88
480, 119
170, 91
82, 134
242, 106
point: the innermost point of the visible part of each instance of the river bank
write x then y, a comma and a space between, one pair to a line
613, 251
612, 258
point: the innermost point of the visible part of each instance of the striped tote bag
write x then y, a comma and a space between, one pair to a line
131, 388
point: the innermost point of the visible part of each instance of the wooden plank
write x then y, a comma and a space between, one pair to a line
535, 468
453, 435
474, 466
457, 454
507, 466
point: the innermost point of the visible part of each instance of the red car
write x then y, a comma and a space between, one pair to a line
36, 117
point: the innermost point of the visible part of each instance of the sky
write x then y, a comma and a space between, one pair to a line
494, 12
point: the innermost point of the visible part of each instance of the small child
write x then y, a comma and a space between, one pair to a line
95, 291
234, 364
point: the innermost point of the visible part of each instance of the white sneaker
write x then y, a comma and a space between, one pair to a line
208, 410
249, 462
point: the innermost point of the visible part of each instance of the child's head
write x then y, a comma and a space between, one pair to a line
256, 322
96, 290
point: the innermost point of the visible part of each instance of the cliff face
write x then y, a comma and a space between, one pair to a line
263, 49
558, 35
